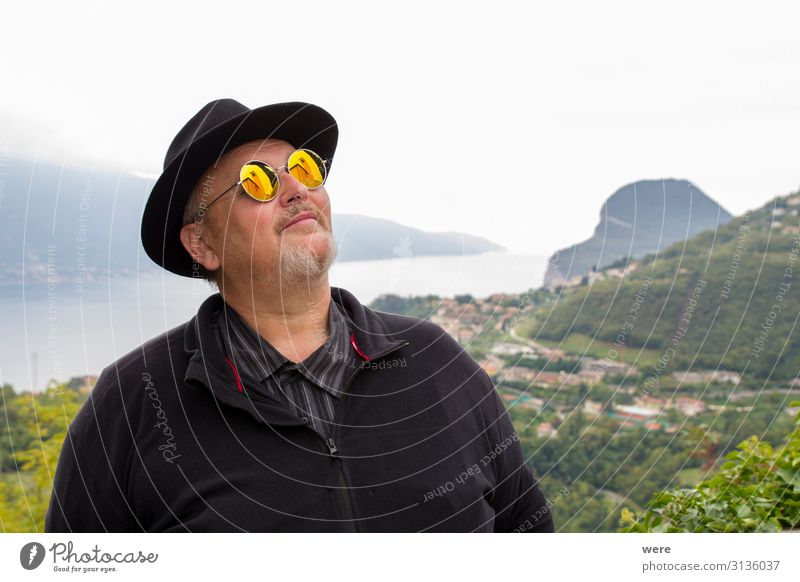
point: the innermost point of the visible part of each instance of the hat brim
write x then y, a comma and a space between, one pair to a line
301, 124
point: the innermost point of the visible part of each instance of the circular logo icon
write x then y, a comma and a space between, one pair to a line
31, 555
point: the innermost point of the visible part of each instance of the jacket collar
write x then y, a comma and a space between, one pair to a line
369, 339
369, 336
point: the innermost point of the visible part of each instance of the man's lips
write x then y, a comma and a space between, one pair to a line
301, 217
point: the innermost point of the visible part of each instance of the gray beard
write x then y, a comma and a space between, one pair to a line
299, 264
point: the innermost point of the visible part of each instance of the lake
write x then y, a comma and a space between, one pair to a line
58, 332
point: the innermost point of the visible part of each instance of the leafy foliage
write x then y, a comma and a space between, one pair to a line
757, 490
34, 426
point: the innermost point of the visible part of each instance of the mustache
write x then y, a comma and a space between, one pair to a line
295, 210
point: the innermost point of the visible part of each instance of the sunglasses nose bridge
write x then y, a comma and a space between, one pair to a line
288, 186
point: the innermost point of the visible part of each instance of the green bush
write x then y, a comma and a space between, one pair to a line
757, 490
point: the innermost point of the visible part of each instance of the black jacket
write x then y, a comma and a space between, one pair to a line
170, 440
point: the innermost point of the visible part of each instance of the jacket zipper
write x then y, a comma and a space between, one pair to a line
343, 485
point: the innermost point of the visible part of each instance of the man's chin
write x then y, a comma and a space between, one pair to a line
304, 260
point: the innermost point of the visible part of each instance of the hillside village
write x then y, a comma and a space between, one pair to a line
524, 370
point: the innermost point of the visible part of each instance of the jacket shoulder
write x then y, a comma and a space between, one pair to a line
422, 332
401, 325
154, 353
438, 355
153, 356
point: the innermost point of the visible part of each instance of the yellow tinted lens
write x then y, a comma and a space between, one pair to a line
307, 168
259, 180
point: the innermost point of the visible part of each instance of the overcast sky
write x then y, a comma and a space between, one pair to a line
503, 119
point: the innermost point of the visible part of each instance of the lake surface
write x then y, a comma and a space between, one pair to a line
58, 332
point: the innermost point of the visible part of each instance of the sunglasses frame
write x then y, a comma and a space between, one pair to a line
277, 177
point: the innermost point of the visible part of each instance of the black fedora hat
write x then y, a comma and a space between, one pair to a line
219, 127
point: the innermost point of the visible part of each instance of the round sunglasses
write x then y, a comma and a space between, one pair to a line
261, 182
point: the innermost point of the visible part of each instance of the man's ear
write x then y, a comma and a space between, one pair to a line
195, 244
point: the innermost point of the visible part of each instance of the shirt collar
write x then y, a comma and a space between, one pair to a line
369, 337
257, 359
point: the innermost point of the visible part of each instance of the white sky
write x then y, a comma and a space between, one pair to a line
582, 97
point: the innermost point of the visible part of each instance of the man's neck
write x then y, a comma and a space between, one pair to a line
293, 320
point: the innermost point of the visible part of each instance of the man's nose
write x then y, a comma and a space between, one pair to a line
291, 191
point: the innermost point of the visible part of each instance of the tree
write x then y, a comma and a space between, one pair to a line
40, 425
757, 490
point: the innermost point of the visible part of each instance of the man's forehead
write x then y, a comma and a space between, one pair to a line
263, 149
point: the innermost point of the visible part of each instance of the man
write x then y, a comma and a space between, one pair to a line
284, 404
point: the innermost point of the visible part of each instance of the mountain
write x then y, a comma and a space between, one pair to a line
76, 224
362, 238
725, 298
639, 218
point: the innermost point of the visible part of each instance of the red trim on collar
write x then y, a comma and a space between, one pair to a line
360, 353
235, 373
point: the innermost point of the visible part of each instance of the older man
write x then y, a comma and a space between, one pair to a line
284, 404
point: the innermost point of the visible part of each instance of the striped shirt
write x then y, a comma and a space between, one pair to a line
311, 388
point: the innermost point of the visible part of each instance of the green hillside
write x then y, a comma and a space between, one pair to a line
723, 299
